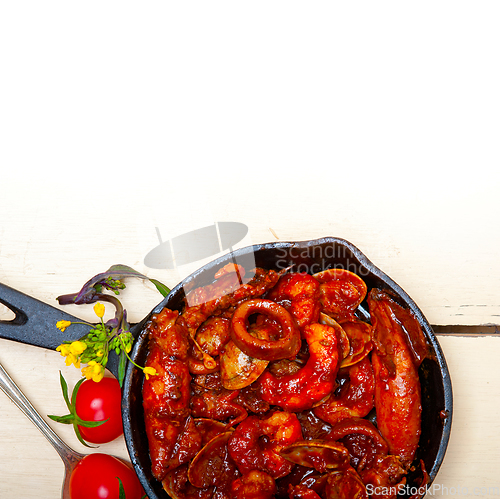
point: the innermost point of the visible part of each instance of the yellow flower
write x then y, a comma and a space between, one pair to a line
99, 310
64, 349
77, 347
72, 359
93, 371
149, 371
62, 325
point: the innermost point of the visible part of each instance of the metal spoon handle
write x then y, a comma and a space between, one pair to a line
68, 455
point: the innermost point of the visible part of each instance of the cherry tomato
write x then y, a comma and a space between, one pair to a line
98, 402
96, 477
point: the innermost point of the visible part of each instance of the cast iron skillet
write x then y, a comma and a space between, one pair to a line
35, 324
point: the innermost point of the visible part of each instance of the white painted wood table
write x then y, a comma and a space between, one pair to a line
379, 124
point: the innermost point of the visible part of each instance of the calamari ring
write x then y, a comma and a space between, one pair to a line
287, 346
251, 451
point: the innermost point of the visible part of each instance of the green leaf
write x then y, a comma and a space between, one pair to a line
64, 387
160, 287
80, 438
121, 367
75, 391
68, 419
89, 424
121, 489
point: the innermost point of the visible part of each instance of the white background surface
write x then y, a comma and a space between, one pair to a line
374, 122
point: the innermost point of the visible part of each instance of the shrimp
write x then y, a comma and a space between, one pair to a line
356, 394
397, 385
299, 294
310, 384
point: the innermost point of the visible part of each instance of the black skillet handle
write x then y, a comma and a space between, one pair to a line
35, 323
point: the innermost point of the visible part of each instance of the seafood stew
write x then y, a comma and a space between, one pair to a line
257, 347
